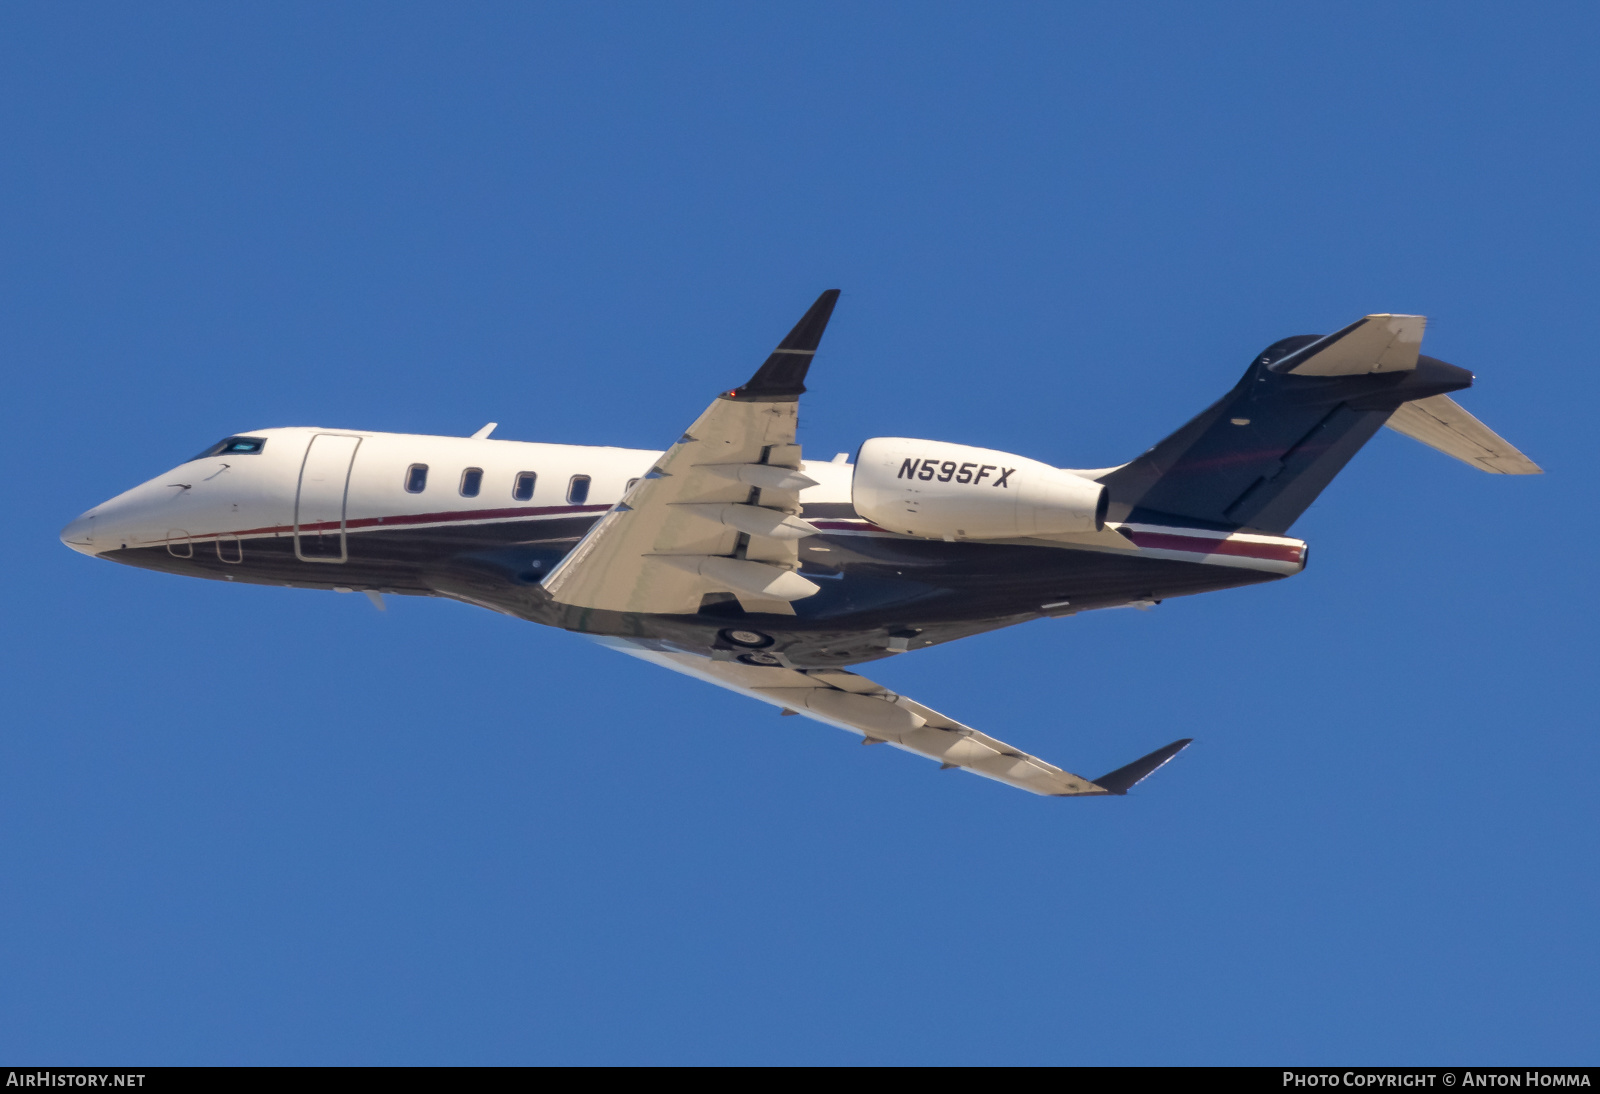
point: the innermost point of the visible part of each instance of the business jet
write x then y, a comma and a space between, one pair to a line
731, 558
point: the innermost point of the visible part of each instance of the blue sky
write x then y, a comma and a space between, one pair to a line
252, 825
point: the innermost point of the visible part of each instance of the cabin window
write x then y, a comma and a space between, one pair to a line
234, 446
625, 489
523, 490
229, 549
578, 489
471, 482
416, 478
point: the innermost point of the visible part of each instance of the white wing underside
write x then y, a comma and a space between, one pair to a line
719, 513
852, 702
650, 552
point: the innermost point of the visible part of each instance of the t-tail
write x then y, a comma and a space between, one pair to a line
1260, 455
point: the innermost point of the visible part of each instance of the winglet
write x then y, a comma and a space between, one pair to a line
1120, 780
783, 375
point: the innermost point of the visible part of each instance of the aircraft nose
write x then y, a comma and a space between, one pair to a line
79, 535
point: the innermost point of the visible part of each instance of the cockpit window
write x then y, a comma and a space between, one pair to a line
234, 446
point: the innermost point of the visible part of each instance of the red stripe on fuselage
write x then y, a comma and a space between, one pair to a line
849, 526
1201, 545
1162, 541
421, 518
472, 514
1159, 541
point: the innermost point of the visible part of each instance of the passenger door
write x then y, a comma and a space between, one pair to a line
319, 504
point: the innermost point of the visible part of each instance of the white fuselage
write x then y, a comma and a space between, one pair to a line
491, 522
362, 479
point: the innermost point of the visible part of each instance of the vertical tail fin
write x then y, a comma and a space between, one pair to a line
1259, 456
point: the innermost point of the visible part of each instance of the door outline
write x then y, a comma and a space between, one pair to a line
344, 500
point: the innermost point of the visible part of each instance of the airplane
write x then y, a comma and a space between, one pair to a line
730, 558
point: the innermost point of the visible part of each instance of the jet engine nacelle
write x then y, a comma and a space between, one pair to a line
953, 491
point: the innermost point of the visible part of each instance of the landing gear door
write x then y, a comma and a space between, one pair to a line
319, 503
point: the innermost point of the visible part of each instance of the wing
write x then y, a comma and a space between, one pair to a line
853, 702
718, 512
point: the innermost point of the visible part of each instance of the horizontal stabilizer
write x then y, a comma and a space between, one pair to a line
1120, 780
1374, 343
1439, 422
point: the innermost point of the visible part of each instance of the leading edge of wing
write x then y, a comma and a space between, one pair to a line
782, 375
851, 702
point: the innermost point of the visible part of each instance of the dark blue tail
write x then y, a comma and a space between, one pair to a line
1260, 455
